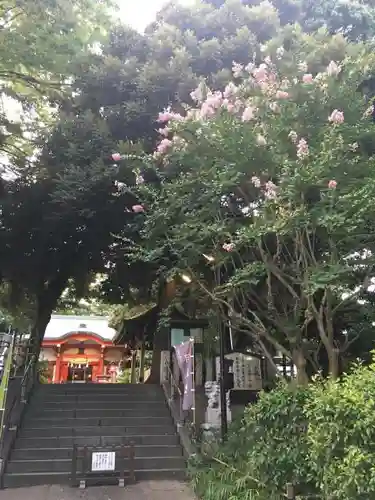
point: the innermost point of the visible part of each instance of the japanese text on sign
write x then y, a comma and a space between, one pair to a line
103, 461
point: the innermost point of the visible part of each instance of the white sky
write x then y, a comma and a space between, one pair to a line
140, 13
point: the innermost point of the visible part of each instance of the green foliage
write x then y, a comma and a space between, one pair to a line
41, 43
124, 377
43, 372
320, 438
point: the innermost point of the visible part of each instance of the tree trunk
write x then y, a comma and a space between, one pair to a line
333, 362
38, 330
300, 361
47, 300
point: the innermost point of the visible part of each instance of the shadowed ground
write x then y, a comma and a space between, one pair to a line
148, 490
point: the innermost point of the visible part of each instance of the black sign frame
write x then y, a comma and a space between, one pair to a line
82, 474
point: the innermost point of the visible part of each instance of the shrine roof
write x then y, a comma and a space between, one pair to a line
62, 325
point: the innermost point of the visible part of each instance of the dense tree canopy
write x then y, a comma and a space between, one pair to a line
75, 210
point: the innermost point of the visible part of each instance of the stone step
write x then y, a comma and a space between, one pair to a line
59, 417
67, 453
95, 387
58, 399
44, 423
42, 413
93, 404
65, 464
42, 478
98, 431
90, 440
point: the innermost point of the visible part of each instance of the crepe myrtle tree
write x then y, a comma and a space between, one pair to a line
273, 181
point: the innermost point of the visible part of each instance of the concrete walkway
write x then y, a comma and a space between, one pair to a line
148, 490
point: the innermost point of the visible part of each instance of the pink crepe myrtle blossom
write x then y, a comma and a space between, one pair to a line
270, 190
229, 247
163, 146
197, 94
293, 136
282, 94
237, 69
164, 131
264, 87
207, 111
248, 114
332, 184
256, 181
249, 68
167, 116
116, 157
336, 117
230, 90
215, 100
302, 149
260, 74
138, 209
177, 117
261, 140
164, 116
231, 108
333, 69
238, 104
308, 78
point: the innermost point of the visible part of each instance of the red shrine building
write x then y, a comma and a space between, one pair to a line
79, 349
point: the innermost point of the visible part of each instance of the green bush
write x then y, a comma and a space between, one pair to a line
341, 435
320, 437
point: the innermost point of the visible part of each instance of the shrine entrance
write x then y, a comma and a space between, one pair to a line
79, 374
82, 355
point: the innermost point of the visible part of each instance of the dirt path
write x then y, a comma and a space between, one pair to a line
148, 490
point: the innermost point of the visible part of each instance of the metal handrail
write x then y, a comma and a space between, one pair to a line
173, 379
174, 387
4, 381
22, 395
12, 417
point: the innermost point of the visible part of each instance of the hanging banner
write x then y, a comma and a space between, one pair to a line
185, 363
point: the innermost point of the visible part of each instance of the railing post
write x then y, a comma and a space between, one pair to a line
4, 384
290, 492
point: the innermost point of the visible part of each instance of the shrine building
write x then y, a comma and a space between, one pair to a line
79, 349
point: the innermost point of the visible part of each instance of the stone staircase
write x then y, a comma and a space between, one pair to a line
60, 416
